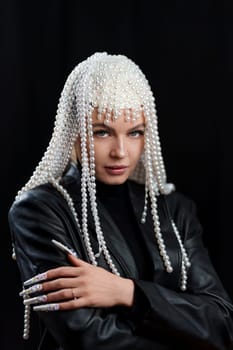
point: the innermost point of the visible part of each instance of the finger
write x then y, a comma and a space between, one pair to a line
67, 305
63, 271
60, 284
53, 285
76, 261
64, 294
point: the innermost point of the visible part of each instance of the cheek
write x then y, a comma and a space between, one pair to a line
137, 150
102, 147
100, 154
97, 160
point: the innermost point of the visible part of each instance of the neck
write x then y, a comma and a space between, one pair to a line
106, 190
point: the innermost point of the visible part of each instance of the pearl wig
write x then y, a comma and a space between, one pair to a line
110, 84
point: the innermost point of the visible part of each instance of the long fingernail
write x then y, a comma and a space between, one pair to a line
35, 300
46, 307
37, 278
33, 289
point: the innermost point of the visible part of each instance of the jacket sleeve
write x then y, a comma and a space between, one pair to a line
203, 315
33, 224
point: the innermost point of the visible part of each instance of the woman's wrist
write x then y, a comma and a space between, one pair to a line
125, 292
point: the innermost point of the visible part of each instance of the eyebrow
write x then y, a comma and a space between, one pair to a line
102, 125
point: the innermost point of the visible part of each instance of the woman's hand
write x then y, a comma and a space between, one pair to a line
79, 285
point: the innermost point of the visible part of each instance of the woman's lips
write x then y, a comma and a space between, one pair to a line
116, 170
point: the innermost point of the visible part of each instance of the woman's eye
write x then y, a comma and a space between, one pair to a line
101, 133
137, 133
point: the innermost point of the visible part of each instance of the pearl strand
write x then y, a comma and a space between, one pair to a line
185, 264
92, 193
144, 213
27, 313
84, 191
158, 235
68, 198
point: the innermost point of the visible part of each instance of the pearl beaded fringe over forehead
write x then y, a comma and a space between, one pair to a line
110, 83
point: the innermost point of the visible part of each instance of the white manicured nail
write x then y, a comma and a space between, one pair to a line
35, 300
37, 278
46, 307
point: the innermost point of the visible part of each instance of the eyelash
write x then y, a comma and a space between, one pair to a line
138, 132
105, 132
100, 133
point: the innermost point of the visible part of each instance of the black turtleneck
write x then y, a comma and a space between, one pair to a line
116, 200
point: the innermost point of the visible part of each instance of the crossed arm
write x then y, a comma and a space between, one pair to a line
80, 285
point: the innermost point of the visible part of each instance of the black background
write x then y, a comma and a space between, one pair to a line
185, 50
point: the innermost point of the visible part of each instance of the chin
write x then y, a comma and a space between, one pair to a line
112, 180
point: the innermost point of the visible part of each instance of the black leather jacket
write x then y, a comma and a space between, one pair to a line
162, 317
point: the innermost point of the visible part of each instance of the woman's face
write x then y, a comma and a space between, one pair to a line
118, 147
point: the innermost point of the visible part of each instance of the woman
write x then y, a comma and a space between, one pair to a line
132, 272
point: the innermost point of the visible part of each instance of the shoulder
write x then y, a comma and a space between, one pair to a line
41, 199
39, 193
39, 214
179, 201
182, 210
46, 194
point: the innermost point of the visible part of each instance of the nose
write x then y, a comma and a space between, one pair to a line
118, 148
